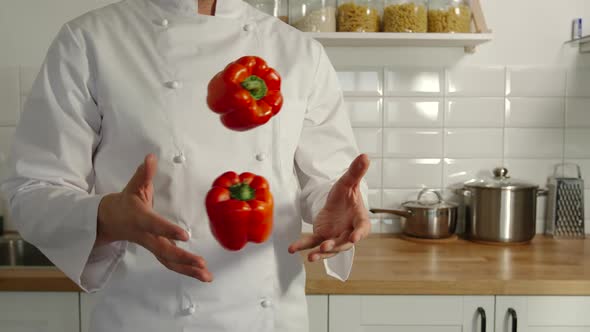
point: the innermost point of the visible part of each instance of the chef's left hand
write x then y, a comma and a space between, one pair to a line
344, 219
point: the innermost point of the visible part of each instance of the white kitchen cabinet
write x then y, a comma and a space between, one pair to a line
87, 302
317, 306
381, 313
39, 312
543, 313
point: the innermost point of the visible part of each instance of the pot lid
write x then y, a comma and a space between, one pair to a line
500, 180
424, 202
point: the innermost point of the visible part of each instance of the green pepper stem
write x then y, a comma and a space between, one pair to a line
242, 192
256, 86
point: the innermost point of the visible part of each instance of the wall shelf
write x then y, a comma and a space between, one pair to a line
389, 39
583, 44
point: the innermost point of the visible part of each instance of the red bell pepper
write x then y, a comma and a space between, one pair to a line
247, 93
240, 209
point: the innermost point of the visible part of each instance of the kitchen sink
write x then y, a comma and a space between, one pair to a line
16, 252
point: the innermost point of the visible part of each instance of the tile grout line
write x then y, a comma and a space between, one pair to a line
504, 111
382, 108
444, 130
565, 108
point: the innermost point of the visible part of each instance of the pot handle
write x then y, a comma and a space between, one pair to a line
463, 191
405, 214
426, 190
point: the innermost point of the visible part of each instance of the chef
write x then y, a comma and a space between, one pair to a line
117, 148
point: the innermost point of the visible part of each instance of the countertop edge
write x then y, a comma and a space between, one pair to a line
473, 287
53, 280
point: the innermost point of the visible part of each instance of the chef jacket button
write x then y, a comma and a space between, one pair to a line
265, 303
189, 310
179, 158
164, 23
248, 27
260, 157
174, 84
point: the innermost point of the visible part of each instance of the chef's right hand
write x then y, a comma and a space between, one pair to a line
129, 216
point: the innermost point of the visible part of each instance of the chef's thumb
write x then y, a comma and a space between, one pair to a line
358, 168
144, 174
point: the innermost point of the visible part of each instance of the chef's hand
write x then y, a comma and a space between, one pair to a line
344, 219
129, 216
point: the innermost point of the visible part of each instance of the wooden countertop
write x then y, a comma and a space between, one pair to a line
388, 264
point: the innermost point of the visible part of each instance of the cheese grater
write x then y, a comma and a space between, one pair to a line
565, 210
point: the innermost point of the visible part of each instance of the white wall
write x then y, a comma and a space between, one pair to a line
422, 113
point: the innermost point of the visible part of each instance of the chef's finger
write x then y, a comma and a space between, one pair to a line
358, 168
338, 246
152, 223
143, 175
361, 230
307, 241
317, 256
192, 271
163, 249
341, 243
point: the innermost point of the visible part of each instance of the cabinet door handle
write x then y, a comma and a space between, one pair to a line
512, 314
482, 314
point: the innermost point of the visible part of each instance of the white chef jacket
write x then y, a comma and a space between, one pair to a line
130, 79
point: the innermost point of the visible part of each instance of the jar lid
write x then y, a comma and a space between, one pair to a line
422, 202
500, 180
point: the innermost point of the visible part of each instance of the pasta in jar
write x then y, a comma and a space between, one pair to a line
449, 16
405, 16
359, 16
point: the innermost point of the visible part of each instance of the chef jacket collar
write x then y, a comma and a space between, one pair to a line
224, 8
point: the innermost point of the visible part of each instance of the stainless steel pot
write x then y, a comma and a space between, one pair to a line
501, 209
426, 219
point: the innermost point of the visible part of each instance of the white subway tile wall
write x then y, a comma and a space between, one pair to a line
536, 81
484, 81
535, 112
369, 140
412, 173
533, 143
463, 112
409, 81
361, 82
473, 143
577, 143
441, 127
413, 112
364, 112
578, 82
577, 113
374, 176
412, 143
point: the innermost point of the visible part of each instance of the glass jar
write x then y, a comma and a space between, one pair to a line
276, 8
449, 16
359, 15
405, 16
313, 15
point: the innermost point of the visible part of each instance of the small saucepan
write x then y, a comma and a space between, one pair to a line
425, 218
